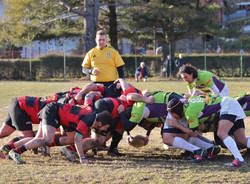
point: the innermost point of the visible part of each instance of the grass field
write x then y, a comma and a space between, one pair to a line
150, 164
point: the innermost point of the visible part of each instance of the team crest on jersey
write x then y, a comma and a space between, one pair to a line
108, 55
201, 86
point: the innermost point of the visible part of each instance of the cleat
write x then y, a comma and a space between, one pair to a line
16, 157
69, 154
114, 153
187, 154
2, 156
5, 150
199, 155
236, 164
45, 151
212, 152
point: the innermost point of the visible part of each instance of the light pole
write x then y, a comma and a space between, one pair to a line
205, 54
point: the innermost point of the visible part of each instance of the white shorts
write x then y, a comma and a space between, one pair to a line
183, 121
231, 106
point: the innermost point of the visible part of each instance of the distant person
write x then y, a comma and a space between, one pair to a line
103, 63
202, 80
218, 50
180, 62
166, 67
141, 72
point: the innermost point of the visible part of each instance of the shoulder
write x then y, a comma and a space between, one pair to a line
91, 52
112, 49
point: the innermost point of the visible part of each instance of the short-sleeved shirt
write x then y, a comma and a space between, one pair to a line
106, 61
205, 81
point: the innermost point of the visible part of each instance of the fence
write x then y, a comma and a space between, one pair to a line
53, 66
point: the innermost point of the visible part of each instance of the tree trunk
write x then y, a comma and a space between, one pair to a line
90, 23
113, 25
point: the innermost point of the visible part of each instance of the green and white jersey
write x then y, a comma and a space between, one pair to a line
199, 107
152, 112
208, 83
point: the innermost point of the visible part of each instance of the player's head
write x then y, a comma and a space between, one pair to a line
142, 64
188, 73
103, 118
101, 39
175, 108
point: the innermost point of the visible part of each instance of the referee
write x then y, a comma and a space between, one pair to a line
103, 63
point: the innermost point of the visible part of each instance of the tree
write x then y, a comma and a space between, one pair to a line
172, 20
31, 19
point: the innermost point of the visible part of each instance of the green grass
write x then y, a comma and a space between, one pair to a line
150, 164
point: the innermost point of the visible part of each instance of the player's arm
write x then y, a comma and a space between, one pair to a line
120, 71
175, 124
86, 65
85, 90
78, 144
140, 98
127, 124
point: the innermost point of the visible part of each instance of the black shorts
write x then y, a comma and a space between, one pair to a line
17, 118
49, 115
173, 131
110, 89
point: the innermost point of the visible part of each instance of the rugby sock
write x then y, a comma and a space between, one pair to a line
200, 143
231, 145
21, 149
10, 145
116, 138
183, 144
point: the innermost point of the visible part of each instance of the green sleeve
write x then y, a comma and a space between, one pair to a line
205, 78
137, 112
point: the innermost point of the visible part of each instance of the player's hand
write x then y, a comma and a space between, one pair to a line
150, 100
95, 71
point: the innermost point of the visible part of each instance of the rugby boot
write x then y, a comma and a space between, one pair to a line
199, 155
213, 151
4, 151
69, 154
236, 163
114, 153
16, 157
45, 151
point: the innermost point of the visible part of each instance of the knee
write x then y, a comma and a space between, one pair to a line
222, 134
168, 139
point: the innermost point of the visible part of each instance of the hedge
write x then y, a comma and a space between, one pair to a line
52, 66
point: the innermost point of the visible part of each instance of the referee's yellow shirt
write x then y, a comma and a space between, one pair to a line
106, 61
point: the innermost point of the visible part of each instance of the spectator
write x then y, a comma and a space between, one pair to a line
103, 63
141, 72
166, 67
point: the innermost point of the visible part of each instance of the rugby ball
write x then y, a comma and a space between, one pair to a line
138, 141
